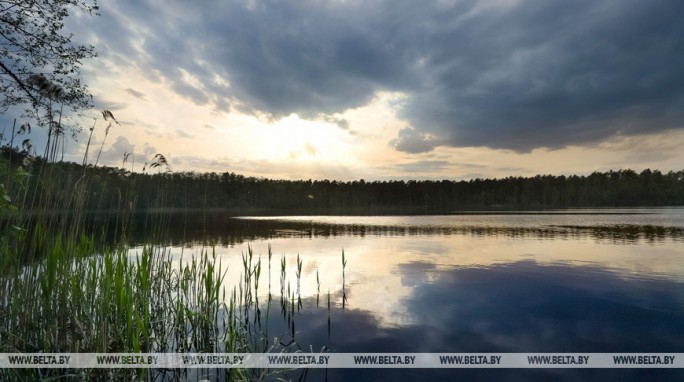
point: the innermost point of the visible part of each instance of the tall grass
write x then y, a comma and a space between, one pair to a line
62, 290
149, 302
144, 302
44, 201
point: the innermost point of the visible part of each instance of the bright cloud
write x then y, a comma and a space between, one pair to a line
392, 89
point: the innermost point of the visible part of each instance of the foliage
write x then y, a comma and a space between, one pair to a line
39, 64
74, 301
62, 292
190, 190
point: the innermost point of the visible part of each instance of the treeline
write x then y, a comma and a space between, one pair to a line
613, 188
112, 188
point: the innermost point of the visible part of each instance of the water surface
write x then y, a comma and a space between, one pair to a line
609, 280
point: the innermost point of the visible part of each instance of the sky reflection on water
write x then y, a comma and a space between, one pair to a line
470, 291
383, 269
516, 307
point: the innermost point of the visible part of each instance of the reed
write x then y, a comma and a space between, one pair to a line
65, 290
344, 281
144, 302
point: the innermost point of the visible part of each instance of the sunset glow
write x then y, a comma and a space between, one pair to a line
325, 92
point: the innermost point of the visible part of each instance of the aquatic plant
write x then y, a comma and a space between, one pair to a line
63, 289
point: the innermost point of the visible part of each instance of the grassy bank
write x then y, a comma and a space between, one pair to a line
64, 291
75, 301
149, 302
63, 288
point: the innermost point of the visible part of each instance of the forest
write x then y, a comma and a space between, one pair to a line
114, 188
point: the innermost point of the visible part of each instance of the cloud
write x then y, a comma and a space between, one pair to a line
340, 122
135, 93
310, 149
103, 104
114, 155
149, 150
183, 134
549, 74
424, 166
509, 75
641, 151
412, 141
268, 168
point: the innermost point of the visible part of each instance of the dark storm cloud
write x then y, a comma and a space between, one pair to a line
306, 57
516, 75
548, 74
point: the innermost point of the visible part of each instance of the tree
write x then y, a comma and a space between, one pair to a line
39, 64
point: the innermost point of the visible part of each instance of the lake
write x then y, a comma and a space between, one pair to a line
566, 281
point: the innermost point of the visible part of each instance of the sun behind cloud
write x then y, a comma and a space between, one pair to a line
386, 90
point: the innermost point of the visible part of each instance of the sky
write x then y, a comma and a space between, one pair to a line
387, 89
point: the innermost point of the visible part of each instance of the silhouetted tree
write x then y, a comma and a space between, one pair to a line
39, 64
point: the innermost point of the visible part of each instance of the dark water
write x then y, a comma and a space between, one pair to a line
563, 281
